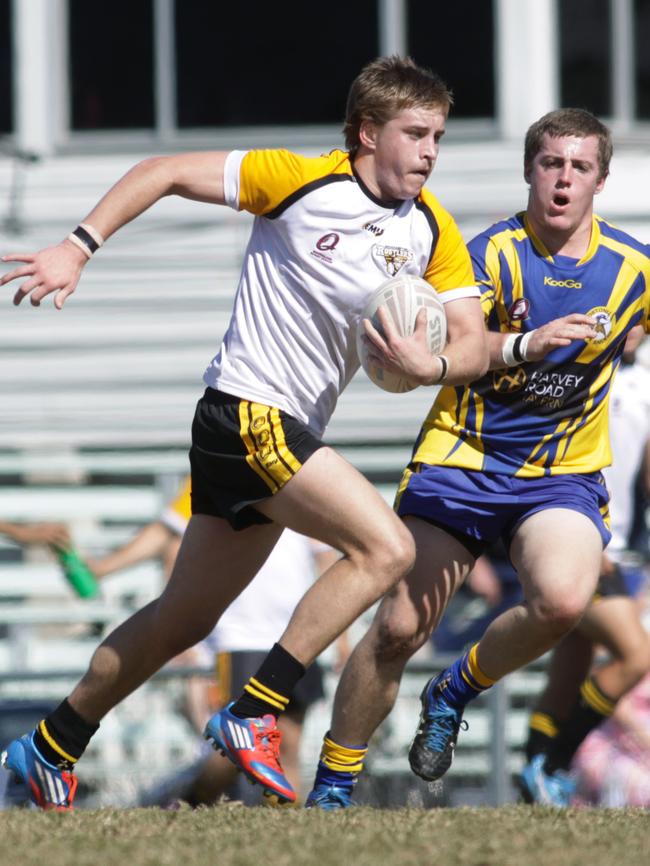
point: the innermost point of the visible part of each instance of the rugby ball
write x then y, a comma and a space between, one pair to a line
403, 297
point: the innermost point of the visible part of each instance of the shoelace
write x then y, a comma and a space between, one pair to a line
268, 740
438, 725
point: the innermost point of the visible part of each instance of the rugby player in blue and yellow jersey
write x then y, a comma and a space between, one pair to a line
514, 455
327, 232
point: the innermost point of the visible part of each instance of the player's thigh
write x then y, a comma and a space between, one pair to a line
615, 623
415, 606
332, 501
214, 564
557, 554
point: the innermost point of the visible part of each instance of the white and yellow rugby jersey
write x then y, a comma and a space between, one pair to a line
543, 417
321, 244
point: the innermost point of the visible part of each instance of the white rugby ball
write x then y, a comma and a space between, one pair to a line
403, 297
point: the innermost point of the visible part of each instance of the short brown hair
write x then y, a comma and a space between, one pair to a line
387, 86
569, 121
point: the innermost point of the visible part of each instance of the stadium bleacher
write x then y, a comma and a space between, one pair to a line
97, 402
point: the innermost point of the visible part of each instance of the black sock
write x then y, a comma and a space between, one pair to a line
591, 709
62, 737
269, 691
542, 732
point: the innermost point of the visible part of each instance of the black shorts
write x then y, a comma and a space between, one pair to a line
234, 670
243, 452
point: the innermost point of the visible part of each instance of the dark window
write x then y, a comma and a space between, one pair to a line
111, 64
257, 62
585, 55
6, 100
642, 58
456, 40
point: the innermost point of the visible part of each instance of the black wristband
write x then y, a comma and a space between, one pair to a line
86, 239
445, 367
516, 349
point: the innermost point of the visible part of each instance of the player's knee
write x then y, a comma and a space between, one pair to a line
393, 556
637, 662
396, 639
558, 616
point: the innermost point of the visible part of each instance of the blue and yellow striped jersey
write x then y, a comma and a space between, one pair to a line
544, 417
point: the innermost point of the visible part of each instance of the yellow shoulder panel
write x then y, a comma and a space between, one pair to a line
269, 177
450, 266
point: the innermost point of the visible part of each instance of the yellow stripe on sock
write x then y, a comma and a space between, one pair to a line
594, 698
57, 748
472, 663
257, 694
544, 724
342, 759
275, 695
470, 683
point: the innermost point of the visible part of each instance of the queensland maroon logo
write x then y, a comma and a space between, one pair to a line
519, 310
324, 246
327, 242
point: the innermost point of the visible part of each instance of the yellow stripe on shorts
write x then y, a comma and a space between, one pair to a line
268, 454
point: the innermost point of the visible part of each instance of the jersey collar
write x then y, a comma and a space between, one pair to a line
388, 204
594, 240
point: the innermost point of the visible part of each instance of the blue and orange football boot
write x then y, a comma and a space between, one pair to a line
50, 787
253, 746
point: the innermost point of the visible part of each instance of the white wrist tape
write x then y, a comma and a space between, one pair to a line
444, 368
514, 349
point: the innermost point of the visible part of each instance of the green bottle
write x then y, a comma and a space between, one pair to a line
77, 573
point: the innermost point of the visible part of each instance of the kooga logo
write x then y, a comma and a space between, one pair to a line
562, 284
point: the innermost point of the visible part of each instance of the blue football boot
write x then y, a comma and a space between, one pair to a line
329, 797
538, 785
432, 749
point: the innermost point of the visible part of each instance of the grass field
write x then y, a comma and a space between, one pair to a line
231, 835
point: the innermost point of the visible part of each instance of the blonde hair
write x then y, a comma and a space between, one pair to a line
387, 86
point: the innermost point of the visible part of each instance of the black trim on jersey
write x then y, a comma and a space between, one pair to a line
305, 190
391, 204
433, 224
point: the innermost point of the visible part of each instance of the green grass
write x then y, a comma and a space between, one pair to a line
232, 835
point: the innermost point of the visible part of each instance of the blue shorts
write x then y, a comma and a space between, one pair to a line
480, 508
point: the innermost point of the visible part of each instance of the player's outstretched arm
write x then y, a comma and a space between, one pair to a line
510, 349
197, 176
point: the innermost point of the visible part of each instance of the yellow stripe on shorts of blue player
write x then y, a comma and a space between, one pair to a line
268, 455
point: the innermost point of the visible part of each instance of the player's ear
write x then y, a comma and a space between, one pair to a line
527, 170
601, 183
368, 134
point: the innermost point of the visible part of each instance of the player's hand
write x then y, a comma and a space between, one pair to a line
55, 534
405, 356
53, 269
559, 332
